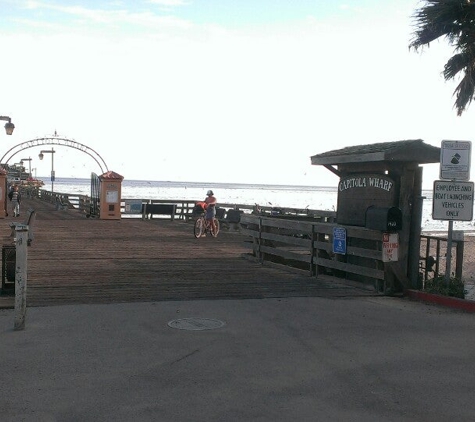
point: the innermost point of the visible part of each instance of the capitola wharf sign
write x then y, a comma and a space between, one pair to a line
357, 192
363, 182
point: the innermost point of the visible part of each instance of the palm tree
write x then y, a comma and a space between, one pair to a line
454, 20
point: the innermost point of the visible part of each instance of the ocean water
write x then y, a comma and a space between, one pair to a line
312, 197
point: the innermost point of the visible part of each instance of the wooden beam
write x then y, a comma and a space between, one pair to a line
332, 169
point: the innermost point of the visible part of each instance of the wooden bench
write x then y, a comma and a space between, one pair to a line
61, 205
220, 213
231, 219
233, 216
30, 222
149, 210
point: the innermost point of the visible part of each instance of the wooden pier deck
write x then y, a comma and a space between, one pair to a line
79, 260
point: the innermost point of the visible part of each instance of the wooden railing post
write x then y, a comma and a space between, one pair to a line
313, 252
259, 242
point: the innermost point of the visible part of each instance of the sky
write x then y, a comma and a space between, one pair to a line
220, 90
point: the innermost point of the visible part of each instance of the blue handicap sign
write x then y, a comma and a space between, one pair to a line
339, 240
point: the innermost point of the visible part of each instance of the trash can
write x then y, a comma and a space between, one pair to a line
8, 269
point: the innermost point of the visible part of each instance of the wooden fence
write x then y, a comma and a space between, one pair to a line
309, 245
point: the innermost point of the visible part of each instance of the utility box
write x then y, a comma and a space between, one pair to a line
383, 218
110, 196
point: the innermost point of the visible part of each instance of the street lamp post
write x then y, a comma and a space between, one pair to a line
40, 155
9, 126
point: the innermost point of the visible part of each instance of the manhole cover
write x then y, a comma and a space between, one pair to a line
196, 324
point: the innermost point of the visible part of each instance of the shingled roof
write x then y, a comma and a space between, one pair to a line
399, 151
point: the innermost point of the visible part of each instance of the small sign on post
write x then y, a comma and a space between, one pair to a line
390, 247
455, 160
452, 200
339, 240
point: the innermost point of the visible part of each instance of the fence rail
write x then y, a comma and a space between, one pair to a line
433, 258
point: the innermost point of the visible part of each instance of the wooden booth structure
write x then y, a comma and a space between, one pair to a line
373, 238
380, 189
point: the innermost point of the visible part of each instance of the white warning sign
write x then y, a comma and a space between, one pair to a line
452, 201
390, 247
455, 160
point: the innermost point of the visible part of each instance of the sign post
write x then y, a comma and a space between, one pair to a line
453, 200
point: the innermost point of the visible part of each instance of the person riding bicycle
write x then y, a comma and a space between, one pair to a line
210, 202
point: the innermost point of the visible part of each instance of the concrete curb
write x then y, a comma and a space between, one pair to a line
8, 302
451, 302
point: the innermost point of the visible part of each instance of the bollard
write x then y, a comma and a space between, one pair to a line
21, 273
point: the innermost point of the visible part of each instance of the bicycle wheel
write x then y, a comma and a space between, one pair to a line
199, 227
215, 232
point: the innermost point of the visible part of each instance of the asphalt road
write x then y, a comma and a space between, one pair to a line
296, 359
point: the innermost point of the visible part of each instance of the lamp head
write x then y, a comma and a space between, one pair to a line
40, 155
9, 126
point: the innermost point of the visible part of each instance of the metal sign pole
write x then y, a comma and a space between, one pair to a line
448, 261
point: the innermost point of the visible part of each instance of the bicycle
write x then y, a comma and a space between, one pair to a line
203, 226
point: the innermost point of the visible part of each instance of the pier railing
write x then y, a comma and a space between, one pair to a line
183, 209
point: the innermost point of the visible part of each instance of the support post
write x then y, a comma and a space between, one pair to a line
21, 275
415, 231
448, 261
459, 259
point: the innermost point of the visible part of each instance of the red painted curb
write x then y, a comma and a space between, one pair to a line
451, 302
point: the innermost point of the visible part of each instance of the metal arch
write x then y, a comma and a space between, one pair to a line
55, 140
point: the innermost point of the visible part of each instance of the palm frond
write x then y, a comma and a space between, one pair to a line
456, 64
441, 18
453, 20
464, 93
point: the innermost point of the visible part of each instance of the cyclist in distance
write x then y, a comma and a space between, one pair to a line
210, 201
